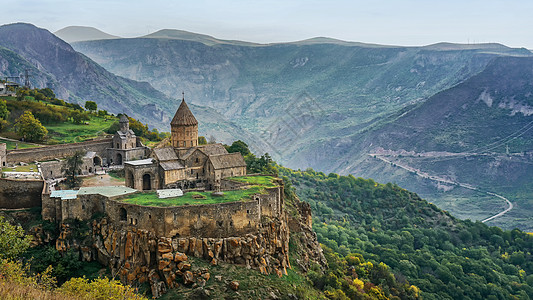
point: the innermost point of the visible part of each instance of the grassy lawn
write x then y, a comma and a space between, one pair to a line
150, 198
69, 132
28, 168
266, 181
21, 145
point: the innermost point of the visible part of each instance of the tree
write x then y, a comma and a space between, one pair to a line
13, 241
78, 117
30, 128
91, 105
202, 140
72, 168
48, 93
239, 146
4, 113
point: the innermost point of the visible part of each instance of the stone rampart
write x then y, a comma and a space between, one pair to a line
58, 151
20, 193
205, 221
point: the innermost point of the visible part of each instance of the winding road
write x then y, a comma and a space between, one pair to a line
448, 181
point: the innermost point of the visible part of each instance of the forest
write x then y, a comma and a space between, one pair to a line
446, 258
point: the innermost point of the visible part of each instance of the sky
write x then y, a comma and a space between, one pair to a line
390, 22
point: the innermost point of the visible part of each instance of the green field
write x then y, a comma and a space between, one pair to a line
150, 198
21, 145
266, 181
27, 168
68, 132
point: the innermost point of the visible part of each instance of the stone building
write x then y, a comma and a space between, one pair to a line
125, 146
184, 164
184, 128
3, 153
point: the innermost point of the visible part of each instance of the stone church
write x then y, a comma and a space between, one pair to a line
184, 164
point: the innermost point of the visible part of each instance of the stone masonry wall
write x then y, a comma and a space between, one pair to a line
20, 193
209, 220
206, 221
58, 151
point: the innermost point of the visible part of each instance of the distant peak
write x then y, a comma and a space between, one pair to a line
73, 34
454, 46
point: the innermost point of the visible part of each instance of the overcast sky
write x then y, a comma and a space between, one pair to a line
397, 22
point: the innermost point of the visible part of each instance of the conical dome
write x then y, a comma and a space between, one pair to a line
184, 116
124, 119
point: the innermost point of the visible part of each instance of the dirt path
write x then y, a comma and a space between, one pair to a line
448, 181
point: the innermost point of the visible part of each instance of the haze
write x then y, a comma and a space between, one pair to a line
406, 22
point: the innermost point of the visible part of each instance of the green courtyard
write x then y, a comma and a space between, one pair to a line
258, 185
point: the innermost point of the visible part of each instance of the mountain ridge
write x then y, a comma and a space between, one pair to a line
71, 34
75, 77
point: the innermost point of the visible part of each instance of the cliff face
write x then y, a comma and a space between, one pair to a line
140, 256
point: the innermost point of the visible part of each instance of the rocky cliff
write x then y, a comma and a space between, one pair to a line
139, 256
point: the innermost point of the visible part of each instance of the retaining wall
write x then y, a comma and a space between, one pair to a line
20, 193
58, 151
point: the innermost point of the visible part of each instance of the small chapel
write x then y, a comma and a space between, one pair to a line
184, 164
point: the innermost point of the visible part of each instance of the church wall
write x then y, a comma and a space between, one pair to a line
57, 151
134, 176
20, 193
187, 134
127, 143
172, 176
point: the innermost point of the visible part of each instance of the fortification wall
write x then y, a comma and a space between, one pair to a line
205, 221
20, 193
271, 203
58, 151
81, 208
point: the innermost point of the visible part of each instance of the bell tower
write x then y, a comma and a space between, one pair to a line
184, 127
124, 123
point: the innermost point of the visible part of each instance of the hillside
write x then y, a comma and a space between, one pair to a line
74, 77
315, 94
446, 258
462, 134
71, 34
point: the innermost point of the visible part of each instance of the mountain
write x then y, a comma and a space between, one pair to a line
303, 99
74, 77
71, 34
194, 37
327, 104
478, 132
